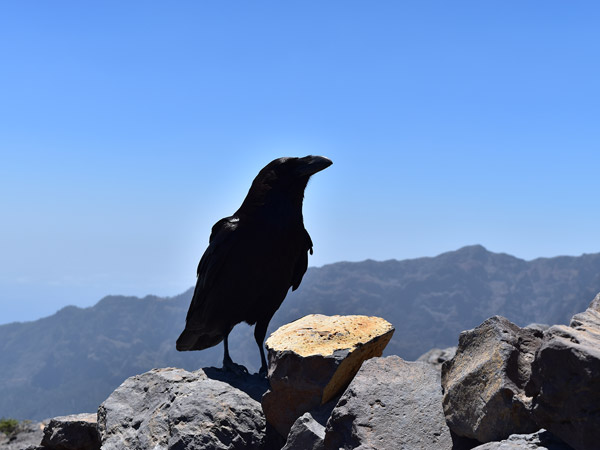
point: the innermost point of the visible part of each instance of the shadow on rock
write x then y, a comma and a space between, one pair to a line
463, 443
254, 385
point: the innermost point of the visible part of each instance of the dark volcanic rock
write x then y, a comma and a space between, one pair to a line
540, 440
253, 385
176, 409
484, 395
390, 404
538, 326
437, 356
74, 432
305, 434
566, 380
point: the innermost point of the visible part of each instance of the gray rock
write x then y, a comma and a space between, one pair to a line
484, 384
538, 326
322, 413
540, 440
305, 434
437, 356
74, 432
390, 404
297, 392
176, 409
566, 380
28, 435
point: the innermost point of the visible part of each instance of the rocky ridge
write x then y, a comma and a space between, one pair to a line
55, 366
507, 387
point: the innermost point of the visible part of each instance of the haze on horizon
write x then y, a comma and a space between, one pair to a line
128, 130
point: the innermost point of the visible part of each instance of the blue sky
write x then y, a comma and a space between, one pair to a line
128, 128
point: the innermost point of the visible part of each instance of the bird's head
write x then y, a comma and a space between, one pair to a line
284, 178
292, 170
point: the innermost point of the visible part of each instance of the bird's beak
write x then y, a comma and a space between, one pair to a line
313, 164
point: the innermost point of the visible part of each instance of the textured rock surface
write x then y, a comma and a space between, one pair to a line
538, 326
437, 356
176, 409
484, 395
74, 432
306, 434
390, 404
314, 358
29, 435
566, 380
539, 440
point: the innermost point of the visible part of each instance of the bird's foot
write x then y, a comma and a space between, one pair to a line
236, 369
263, 371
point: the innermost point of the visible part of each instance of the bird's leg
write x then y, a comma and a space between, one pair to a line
228, 364
227, 361
260, 330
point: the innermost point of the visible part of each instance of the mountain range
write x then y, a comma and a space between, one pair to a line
71, 361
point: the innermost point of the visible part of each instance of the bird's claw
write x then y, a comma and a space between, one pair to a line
263, 372
236, 369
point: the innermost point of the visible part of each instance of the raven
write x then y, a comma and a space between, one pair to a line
253, 258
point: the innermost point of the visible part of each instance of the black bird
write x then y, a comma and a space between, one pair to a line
253, 258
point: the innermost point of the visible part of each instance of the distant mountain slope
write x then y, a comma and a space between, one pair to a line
71, 361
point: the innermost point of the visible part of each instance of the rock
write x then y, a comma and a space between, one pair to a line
484, 384
305, 434
539, 440
314, 358
538, 326
28, 435
176, 409
74, 432
566, 380
322, 412
253, 385
390, 404
436, 356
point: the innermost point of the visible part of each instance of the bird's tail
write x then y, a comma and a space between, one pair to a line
197, 340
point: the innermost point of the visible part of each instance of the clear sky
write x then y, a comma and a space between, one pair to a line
128, 128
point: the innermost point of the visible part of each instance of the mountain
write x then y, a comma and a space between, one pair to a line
71, 361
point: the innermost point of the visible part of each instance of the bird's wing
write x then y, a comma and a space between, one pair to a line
220, 243
302, 261
217, 247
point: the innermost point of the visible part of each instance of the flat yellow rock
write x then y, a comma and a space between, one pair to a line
317, 334
314, 359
